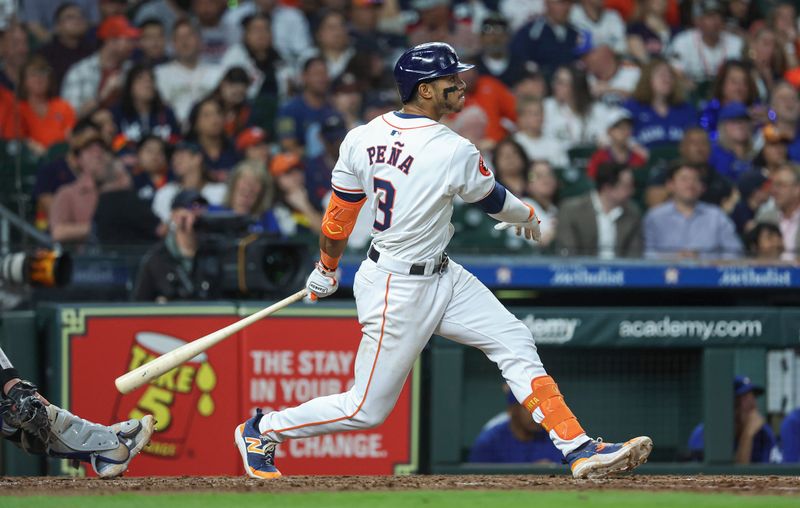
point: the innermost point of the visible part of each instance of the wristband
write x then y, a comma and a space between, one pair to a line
7, 375
329, 262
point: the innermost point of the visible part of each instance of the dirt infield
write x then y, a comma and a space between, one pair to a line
781, 485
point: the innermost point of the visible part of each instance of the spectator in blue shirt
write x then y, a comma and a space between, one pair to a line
318, 170
549, 41
299, 120
514, 438
141, 112
207, 129
734, 83
753, 194
754, 439
731, 153
685, 227
790, 436
658, 108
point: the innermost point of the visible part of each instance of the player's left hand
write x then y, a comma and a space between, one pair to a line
321, 282
530, 228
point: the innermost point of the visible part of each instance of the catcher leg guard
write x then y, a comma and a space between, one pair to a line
108, 449
258, 452
596, 459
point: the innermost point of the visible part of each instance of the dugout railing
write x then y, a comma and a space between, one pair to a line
626, 372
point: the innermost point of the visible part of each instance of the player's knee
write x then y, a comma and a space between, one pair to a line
520, 331
369, 419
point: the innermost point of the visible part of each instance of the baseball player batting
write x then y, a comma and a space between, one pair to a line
408, 168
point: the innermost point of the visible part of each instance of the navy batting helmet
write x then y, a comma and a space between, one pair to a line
425, 62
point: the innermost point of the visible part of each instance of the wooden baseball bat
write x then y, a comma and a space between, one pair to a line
168, 361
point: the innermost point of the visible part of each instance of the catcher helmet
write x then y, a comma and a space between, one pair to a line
425, 62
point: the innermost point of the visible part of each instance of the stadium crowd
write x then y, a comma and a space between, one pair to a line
656, 128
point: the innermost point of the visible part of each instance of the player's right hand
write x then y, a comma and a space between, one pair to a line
530, 228
321, 282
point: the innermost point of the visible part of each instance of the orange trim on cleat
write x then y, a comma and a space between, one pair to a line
264, 474
577, 463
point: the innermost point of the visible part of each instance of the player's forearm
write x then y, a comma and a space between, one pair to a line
744, 450
75, 232
332, 249
502, 205
9, 384
8, 374
337, 224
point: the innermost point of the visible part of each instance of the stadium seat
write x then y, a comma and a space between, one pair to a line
12, 155
474, 230
666, 153
579, 156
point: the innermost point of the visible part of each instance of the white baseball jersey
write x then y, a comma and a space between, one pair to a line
421, 160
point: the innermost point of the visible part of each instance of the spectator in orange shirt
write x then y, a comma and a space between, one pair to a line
44, 118
6, 113
496, 101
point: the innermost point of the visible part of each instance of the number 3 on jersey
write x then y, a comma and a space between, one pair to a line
384, 196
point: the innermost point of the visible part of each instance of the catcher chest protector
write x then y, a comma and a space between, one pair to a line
426, 62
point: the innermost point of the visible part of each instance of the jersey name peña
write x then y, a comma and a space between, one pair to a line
377, 155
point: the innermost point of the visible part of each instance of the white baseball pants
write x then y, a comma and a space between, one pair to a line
398, 314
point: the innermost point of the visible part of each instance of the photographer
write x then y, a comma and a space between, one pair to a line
169, 270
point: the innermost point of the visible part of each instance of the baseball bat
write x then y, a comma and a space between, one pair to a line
168, 361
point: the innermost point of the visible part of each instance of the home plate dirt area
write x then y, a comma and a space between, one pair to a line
57, 486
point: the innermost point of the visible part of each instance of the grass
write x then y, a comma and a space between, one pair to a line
443, 499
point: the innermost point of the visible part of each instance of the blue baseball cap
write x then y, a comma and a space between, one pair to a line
734, 111
742, 385
583, 44
189, 199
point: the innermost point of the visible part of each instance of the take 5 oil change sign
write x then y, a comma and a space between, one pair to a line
194, 404
275, 363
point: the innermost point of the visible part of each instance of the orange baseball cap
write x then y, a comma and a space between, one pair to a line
283, 162
250, 137
117, 27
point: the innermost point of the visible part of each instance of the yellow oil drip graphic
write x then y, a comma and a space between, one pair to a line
194, 380
206, 381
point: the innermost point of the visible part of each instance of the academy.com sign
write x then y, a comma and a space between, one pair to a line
690, 328
551, 330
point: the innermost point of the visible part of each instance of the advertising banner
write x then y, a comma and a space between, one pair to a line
664, 327
275, 363
288, 361
197, 405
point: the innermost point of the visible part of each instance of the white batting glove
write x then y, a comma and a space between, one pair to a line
321, 282
529, 228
